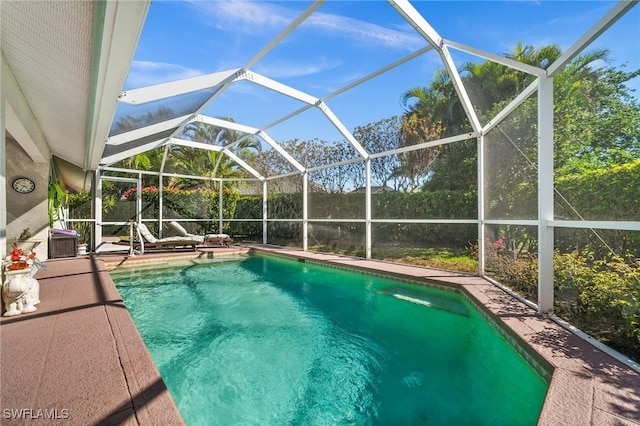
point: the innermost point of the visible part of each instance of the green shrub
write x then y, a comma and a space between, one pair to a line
198, 203
601, 297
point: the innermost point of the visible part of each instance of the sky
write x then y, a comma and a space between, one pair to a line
344, 41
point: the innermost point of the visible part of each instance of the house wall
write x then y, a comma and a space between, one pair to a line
25, 152
26, 210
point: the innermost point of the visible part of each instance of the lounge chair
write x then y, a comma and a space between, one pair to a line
146, 238
179, 229
209, 239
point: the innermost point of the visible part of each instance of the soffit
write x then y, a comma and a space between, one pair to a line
48, 48
70, 72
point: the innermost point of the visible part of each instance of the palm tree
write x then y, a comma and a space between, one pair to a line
490, 86
200, 132
199, 162
208, 133
437, 103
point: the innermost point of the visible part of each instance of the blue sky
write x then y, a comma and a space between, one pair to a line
344, 41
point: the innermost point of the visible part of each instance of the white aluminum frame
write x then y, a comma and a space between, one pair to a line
543, 86
545, 194
98, 206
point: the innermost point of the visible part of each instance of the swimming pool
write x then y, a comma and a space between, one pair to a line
270, 341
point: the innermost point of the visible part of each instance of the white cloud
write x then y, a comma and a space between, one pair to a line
365, 32
250, 17
147, 73
296, 69
243, 16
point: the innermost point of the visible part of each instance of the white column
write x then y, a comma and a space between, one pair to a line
220, 209
160, 204
305, 212
96, 206
481, 218
545, 194
160, 190
264, 212
3, 176
367, 198
139, 198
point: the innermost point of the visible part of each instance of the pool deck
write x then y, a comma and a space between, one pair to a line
80, 357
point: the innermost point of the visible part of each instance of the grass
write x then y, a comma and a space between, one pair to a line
453, 259
449, 258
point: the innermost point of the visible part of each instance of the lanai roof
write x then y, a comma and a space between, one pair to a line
153, 117
71, 60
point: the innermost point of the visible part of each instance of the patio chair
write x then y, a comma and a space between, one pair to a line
209, 239
146, 238
179, 229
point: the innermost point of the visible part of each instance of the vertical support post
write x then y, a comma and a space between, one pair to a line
139, 198
264, 212
3, 177
545, 194
165, 154
367, 200
96, 206
160, 204
305, 212
481, 216
220, 204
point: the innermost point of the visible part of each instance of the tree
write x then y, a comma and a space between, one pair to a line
338, 179
437, 103
437, 107
220, 136
148, 160
596, 119
210, 163
381, 136
312, 154
415, 166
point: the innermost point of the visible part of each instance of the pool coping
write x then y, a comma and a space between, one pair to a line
588, 386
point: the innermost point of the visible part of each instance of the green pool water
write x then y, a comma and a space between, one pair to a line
269, 341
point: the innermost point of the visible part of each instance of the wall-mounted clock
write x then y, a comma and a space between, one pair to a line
23, 185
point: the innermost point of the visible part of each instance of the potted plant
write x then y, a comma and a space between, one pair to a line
82, 249
57, 200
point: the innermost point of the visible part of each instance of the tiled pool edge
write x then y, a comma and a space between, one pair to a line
163, 258
588, 386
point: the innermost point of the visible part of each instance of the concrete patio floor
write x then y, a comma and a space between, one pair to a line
79, 358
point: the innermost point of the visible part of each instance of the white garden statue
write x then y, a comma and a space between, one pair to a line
20, 294
20, 291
